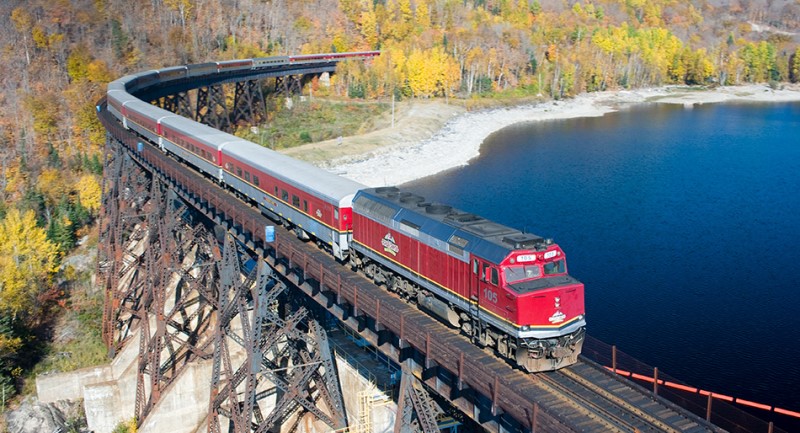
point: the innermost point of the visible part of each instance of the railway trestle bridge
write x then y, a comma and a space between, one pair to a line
189, 275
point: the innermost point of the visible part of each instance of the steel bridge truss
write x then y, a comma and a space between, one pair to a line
212, 109
286, 363
179, 103
249, 104
417, 412
168, 283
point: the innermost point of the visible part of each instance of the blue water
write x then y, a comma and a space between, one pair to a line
684, 224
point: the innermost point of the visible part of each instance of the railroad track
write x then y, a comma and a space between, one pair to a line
601, 402
581, 398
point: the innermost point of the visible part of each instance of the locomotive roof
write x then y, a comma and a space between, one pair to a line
320, 182
403, 210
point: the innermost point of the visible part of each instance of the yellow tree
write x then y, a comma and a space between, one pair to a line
28, 261
53, 185
422, 16
89, 192
432, 72
369, 28
420, 74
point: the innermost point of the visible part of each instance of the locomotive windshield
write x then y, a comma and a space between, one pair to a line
556, 267
519, 273
515, 274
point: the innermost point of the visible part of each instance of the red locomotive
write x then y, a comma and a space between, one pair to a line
509, 290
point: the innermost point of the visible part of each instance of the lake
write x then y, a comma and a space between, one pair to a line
684, 224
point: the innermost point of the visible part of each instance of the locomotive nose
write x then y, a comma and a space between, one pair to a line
552, 307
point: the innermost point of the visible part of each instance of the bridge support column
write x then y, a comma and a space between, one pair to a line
270, 365
248, 103
211, 107
151, 265
177, 103
289, 85
176, 306
126, 187
416, 410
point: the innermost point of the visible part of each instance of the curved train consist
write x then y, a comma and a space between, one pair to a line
506, 289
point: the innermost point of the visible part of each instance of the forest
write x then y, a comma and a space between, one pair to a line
58, 55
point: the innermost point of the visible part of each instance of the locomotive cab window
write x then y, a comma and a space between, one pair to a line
495, 278
556, 267
524, 272
475, 267
305, 206
336, 214
295, 201
284, 195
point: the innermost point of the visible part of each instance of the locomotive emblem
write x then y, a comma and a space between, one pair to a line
319, 213
389, 245
558, 316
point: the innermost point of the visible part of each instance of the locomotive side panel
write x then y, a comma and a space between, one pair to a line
435, 270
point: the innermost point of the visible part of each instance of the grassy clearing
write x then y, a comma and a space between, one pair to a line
315, 120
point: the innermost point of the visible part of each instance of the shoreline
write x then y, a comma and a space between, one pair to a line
439, 137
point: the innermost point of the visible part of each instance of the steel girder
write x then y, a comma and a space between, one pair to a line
186, 300
156, 278
211, 107
286, 366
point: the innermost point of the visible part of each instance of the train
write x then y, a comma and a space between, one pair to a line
507, 290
